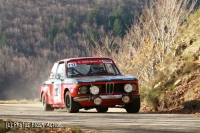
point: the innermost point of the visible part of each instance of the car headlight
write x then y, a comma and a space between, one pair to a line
94, 90
128, 88
134, 87
97, 101
125, 99
83, 90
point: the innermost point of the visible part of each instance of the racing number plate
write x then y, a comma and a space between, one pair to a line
111, 96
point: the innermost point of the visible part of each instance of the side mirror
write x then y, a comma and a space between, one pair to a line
58, 76
51, 75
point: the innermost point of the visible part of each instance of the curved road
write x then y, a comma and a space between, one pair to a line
114, 121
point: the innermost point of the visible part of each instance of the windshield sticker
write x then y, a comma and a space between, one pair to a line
106, 61
90, 61
85, 61
74, 64
71, 64
94, 61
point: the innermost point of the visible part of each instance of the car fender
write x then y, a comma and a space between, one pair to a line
46, 91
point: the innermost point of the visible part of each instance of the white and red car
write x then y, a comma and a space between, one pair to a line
89, 82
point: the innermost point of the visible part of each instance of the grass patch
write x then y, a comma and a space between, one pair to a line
24, 101
154, 97
194, 16
2, 126
171, 87
143, 92
189, 66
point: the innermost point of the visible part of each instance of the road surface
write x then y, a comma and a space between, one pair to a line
114, 121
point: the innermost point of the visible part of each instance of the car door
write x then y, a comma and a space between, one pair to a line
57, 90
50, 84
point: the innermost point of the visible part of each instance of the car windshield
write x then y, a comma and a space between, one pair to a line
91, 68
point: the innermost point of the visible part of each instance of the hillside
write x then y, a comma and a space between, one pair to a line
34, 34
176, 86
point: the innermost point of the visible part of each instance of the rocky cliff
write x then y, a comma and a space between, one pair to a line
176, 85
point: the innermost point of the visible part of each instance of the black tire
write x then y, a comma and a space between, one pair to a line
71, 105
133, 107
102, 109
45, 106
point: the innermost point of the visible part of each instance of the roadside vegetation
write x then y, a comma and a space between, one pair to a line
177, 82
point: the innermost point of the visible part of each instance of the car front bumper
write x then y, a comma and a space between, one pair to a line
103, 97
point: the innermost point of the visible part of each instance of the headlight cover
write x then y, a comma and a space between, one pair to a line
134, 87
128, 88
94, 90
83, 90
97, 101
125, 99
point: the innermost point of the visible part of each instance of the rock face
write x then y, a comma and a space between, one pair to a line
186, 91
177, 82
180, 87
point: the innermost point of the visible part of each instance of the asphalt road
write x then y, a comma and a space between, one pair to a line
114, 121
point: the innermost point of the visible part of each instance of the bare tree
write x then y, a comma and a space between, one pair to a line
150, 38
160, 21
154, 33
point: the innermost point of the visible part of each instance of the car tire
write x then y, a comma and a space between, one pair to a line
45, 106
71, 105
133, 107
102, 109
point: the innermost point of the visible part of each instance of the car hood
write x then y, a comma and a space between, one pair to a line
100, 78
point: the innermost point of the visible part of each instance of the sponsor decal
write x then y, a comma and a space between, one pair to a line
57, 93
74, 64
106, 61
71, 64
85, 61
94, 61
91, 61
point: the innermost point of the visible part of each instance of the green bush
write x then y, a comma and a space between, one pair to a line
194, 16
154, 96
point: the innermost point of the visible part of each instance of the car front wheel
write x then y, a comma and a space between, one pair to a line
71, 105
45, 106
133, 107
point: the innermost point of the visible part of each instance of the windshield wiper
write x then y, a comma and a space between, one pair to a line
75, 74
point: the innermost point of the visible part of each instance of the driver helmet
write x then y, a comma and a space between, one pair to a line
96, 67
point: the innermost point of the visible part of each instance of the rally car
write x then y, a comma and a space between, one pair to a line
87, 83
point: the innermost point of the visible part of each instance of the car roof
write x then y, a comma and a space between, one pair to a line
85, 58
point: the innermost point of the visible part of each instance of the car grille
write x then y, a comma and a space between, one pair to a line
110, 88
